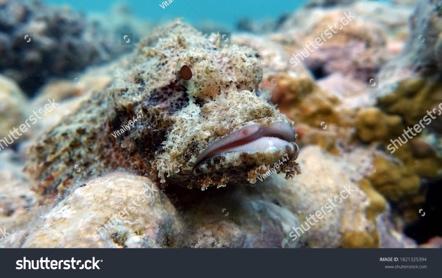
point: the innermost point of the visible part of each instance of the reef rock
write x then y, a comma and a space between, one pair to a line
38, 43
354, 40
123, 25
423, 51
190, 141
17, 201
410, 87
117, 210
334, 209
125, 210
12, 110
411, 82
328, 3
236, 217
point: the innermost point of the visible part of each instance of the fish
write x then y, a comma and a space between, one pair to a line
197, 120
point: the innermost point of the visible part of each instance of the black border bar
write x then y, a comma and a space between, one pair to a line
269, 263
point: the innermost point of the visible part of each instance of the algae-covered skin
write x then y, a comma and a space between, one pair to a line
184, 112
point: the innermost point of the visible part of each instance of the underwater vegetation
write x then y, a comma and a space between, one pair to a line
319, 129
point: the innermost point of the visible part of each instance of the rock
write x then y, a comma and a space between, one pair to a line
334, 193
352, 191
123, 25
17, 201
416, 70
208, 27
410, 87
350, 40
272, 53
329, 3
389, 236
38, 43
237, 217
392, 18
117, 210
261, 26
123, 210
351, 93
12, 111
349, 106
352, 49
435, 242
405, 2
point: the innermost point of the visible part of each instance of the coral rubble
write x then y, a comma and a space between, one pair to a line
39, 42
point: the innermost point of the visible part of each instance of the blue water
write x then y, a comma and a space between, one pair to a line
225, 12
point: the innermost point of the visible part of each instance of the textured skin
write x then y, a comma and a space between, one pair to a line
171, 119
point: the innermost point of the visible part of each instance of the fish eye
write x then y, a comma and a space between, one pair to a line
185, 73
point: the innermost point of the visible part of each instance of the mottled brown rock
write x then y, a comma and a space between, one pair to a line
12, 108
17, 201
117, 210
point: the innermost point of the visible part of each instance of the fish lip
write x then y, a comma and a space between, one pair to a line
249, 133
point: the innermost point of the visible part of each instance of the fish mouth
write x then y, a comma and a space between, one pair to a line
253, 138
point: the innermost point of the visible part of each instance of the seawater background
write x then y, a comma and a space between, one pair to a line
224, 12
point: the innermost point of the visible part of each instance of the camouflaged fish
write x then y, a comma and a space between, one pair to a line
195, 116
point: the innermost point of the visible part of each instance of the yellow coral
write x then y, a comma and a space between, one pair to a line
373, 125
393, 179
412, 98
